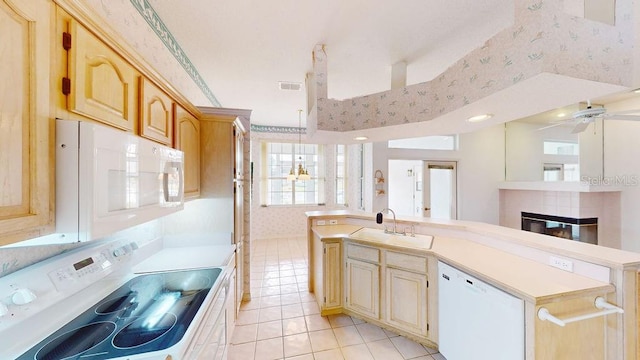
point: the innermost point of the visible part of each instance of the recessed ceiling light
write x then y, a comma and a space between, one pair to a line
561, 115
637, 91
360, 138
479, 118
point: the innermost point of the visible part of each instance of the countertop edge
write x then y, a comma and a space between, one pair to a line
504, 286
610, 257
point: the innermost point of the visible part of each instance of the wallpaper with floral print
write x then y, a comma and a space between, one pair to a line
543, 39
137, 22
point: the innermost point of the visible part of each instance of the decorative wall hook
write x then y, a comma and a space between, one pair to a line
379, 179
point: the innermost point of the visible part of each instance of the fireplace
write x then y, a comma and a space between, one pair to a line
583, 230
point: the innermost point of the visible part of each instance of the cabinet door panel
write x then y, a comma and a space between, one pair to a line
362, 288
406, 296
16, 117
188, 140
332, 276
25, 161
102, 82
156, 122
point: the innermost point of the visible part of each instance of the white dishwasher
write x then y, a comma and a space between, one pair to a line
476, 320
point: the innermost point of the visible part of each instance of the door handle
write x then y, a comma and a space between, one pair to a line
427, 209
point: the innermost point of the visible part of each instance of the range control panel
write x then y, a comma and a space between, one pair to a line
31, 290
91, 268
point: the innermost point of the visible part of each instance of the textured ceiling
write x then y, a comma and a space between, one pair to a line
243, 48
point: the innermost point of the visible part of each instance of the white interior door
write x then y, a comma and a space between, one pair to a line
439, 184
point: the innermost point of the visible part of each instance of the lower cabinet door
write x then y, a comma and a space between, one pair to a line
406, 299
362, 288
332, 276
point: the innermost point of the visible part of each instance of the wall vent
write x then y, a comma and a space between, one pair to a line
288, 85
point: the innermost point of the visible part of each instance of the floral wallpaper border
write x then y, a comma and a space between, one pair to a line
278, 129
157, 25
542, 39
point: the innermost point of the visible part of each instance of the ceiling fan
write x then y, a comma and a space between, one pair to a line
582, 118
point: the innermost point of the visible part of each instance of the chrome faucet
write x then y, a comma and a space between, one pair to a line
379, 221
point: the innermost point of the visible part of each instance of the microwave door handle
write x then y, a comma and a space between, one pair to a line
165, 181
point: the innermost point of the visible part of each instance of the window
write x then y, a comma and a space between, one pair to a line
278, 159
341, 174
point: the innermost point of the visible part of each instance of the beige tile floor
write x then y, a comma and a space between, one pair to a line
282, 320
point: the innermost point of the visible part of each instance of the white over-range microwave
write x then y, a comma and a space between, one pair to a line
108, 180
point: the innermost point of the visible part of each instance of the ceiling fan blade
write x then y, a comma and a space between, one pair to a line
623, 117
580, 127
550, 126
626, 112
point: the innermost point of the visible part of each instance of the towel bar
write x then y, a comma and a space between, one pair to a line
600, 303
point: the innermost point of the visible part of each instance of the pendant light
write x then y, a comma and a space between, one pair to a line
302, 173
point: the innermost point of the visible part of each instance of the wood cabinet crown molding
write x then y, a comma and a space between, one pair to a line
218, 114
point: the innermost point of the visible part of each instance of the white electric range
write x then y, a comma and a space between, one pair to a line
116, 300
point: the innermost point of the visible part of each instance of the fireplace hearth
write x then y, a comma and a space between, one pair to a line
583, 230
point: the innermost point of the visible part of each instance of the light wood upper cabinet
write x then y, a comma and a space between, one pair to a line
188, 140
156, 122
25, 150
102, 84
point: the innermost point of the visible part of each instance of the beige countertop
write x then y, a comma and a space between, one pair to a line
527, 279
605, 256
335, 231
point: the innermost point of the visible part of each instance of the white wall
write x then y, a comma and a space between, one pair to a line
621, 158
480, 168
480, 158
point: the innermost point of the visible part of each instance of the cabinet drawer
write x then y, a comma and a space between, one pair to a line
406, 261
363, 253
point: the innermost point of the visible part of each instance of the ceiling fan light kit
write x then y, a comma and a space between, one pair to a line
589, 112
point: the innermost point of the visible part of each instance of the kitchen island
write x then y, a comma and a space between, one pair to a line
392, 280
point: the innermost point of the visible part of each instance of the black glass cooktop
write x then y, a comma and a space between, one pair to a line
148, 313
